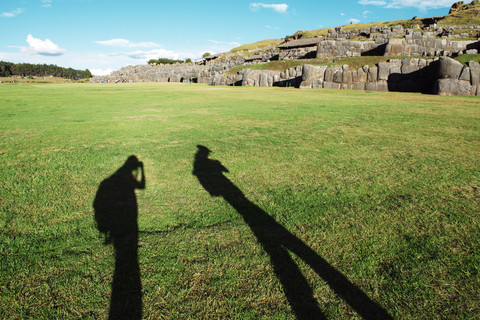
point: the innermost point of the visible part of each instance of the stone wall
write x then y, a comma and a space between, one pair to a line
267, 78
298, 53
443, 76
345, 48
415, 75
372, 33
170, 73
453, 78
385, 41
426, 44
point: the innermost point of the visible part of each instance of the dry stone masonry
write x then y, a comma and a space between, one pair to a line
434, 73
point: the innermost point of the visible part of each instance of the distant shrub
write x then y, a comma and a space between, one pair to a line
164, 61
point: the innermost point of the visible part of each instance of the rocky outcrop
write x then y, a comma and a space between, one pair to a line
426, 44
456, 7
454, 79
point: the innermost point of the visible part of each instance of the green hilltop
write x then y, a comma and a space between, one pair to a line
460, 14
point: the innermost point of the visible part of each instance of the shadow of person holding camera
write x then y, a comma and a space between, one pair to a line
278, 243
116, 214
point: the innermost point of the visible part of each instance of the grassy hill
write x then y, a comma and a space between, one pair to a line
467, 14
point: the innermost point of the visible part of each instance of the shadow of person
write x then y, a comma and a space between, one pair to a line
278, 242
116, 213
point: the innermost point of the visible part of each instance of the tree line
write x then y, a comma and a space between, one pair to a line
8, 69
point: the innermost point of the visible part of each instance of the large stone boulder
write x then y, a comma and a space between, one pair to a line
395, 47
246, 73
372, 74
383, 70
263, 79
307, 76
474, 72
449, 68
453, 87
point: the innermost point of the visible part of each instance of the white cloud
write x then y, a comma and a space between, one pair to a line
353, 21
12, 14
101, 72
280, 8
342, 14
366, 12
272, 27
124, 43
42, 47
47, 3
396, 4
232, 43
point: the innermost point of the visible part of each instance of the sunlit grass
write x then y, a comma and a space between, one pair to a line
383, 186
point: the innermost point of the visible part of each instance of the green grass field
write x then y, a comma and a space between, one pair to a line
368, 201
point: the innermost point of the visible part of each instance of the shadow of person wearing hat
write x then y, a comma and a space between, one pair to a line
116, 215
278, 242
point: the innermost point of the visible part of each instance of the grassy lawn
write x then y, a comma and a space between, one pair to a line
368, 201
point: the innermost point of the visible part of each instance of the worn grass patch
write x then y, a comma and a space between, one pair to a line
384, 187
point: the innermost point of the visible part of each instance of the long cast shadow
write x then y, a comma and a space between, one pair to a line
116, 213
277, 242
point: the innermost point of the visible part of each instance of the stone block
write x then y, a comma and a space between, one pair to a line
452, 87
308, 72
383, 70
395, 47
347, 77
372, 74
329, 72
408, 68
465, 75
317, 84
358, 86
449, 68
338, 77
371, 86
354, 76
361, 75
331, 85
298, 71
474, 72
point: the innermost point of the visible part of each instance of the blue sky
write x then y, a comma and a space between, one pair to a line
104, 35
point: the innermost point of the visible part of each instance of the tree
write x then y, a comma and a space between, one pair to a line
206, 54
188, 60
